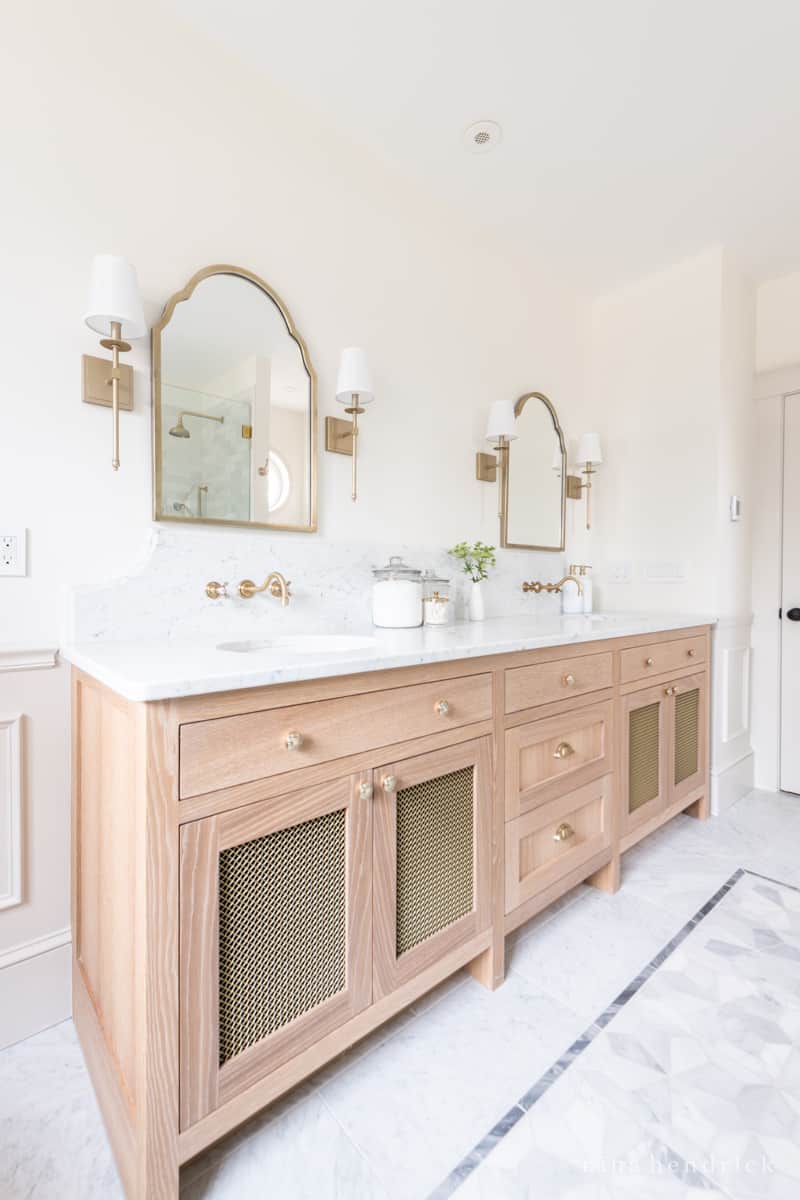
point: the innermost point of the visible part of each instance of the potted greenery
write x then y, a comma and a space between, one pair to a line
476, 559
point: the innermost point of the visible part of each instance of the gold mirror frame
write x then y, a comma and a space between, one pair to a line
504, 542
169, 308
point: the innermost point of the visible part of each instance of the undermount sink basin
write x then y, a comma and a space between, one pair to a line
312, 643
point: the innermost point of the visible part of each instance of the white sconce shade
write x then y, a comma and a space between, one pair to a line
114, 298
354, 378
501, 422
589, 449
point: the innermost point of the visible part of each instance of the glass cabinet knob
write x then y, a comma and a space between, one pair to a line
389, 783
294, 741
442, 707
648, 662
365, 791
568, 680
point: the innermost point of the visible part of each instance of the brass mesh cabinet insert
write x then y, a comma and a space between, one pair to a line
275, 935
432, 858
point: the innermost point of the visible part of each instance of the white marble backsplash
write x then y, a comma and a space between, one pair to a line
164, 594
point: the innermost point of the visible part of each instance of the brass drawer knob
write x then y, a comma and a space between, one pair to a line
690, 653
442, 707
564, 832
563, 750
389, 783
649, 662
365, 791
669, 691
294, 741
568, 680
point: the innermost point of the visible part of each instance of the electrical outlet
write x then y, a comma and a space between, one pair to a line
620, 572
13, 551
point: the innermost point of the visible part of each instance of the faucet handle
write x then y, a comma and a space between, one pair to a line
215, 590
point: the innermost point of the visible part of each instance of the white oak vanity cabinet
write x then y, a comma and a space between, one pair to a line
263, 876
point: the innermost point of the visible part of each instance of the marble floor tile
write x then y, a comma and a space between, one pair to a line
423, 1099
596, 946
305, 1155
52, 1140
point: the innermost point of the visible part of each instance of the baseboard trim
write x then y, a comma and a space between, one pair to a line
732, 782
35, 991
35, 947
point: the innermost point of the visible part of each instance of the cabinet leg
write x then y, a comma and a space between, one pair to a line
607, 878
701, 809
489, 968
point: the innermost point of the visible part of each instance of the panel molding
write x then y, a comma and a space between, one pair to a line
732, 669
10, 811
36, 946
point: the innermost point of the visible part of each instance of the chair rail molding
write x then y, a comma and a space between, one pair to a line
27, 658
10, 810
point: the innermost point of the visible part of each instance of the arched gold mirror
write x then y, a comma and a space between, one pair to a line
234, 407
533, 510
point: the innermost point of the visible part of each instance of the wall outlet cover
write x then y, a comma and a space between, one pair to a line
620, 572
13, 550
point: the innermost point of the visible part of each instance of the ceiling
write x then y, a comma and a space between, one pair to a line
635, 132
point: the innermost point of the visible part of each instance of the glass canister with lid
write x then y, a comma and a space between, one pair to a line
397, 595
436, 603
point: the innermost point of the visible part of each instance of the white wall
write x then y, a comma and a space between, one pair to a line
147, 142
669, 389
778, 323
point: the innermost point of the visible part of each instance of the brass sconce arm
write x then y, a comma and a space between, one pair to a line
275, 584
535, 586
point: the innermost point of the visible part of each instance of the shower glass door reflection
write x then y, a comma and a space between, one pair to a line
206, 462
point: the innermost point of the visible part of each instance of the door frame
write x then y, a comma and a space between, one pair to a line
389, 971
204, 1084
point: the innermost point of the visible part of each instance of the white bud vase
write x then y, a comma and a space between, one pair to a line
477, 606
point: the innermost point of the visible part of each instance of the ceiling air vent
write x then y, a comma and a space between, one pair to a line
482, 137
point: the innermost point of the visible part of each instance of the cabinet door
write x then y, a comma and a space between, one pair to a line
645, 748
275, 935
689, 740
432, 859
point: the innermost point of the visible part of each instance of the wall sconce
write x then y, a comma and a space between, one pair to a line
115, 309
500, 432
354, 390
590, 455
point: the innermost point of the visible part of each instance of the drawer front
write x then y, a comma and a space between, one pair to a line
555, 839
546, 758
560, 680
661, 657
229, 750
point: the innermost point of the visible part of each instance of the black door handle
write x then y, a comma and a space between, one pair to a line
793, 614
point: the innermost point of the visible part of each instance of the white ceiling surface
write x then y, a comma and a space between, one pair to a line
636, 132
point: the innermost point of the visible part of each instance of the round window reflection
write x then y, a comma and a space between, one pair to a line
277, 482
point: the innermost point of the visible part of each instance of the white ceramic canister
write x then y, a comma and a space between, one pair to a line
397, 595
586, 580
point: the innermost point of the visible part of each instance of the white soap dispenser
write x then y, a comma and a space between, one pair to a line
586, 580
571, 599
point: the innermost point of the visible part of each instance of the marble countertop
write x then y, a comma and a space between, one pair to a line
168, 668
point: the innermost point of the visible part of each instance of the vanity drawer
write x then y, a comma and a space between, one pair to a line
556, 838
559, 680
661, 657
229, 750
546, 758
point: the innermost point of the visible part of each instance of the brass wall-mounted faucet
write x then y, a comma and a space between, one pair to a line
535, 586
275, 584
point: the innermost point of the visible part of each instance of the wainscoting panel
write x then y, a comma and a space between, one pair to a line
731, 749
10, 810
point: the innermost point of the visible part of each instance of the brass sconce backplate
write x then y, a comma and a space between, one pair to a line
486, 467
574, 487
97, 383
339, 436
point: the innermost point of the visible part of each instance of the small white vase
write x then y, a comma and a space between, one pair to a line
477, 605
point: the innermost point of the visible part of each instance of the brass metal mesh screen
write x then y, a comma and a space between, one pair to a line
282, 929
643, 755
434, 856
687, 712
